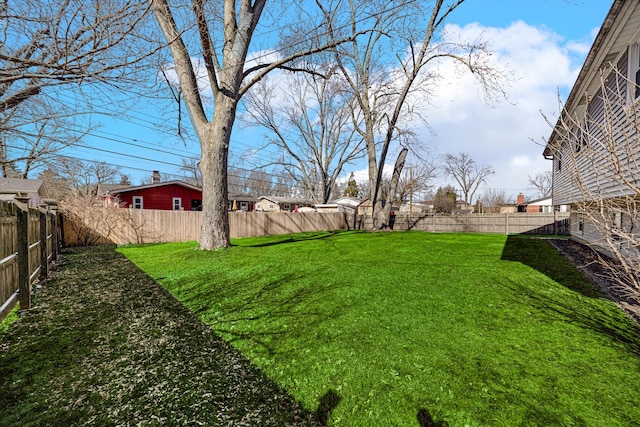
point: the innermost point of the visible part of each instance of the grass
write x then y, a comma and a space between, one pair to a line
11, 318
414, 328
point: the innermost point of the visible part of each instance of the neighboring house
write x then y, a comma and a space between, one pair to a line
242, 202
343, 204
33, 188
462, 207
542, 205
281, 204
417, 208
613, 60
169, 195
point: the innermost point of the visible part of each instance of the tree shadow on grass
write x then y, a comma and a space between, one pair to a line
328, 403
543, 257
262, 312
295, 238
426, 420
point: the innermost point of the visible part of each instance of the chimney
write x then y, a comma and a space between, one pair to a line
155, 177
521, 199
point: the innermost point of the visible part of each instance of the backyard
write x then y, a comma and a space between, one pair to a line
346, 328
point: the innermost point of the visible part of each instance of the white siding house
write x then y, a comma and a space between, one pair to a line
595, 145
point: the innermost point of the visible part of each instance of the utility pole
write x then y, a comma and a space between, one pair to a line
410, 191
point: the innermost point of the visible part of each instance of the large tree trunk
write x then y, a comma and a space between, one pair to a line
381, 215
215, 140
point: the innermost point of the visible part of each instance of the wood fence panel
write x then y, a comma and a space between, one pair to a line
34, 243
8, 253
516, 223
155, 226
26, 245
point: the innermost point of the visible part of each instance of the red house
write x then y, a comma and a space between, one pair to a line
169, 195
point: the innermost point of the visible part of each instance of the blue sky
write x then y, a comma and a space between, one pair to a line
542, 42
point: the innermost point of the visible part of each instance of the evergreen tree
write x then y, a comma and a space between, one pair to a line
352, 187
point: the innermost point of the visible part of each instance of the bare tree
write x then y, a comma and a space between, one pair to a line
58, 188
54, 46
191, 172
56, 43
284, 185
238, 179
597, 164
33, 132
260, 183
224, 38
83, 177
311, 126
543, 182
492, 199
415, 182
92, 223
466, 172
389, 69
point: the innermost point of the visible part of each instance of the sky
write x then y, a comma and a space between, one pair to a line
540, 43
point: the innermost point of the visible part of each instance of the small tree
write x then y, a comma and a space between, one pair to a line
352, 187
445, 200
94, 224
492, 199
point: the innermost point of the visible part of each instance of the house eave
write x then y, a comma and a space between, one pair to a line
594, 58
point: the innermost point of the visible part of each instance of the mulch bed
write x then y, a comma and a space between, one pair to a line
586, 260
106, 345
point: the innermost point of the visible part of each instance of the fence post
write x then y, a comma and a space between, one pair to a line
506, 223
24, 287
54, 234
44, 261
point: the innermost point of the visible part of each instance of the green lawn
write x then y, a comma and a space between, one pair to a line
415, 328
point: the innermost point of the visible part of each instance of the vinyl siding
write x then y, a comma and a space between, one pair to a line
591, 173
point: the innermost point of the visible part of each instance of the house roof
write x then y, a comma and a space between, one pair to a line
155, 185
541, 201
242, 198
289, 200
607, 48
110, 188
17, 185
347, 201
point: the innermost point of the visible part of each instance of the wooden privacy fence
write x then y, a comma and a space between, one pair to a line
90, 226
514, 223
28, 244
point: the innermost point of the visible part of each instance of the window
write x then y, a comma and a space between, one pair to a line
581, 223
558, 162
286, 207
196, 205
137, 202
244, 206
177, 203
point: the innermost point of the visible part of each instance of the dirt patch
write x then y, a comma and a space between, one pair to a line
586, 260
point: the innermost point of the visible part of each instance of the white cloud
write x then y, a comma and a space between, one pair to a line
502, 135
